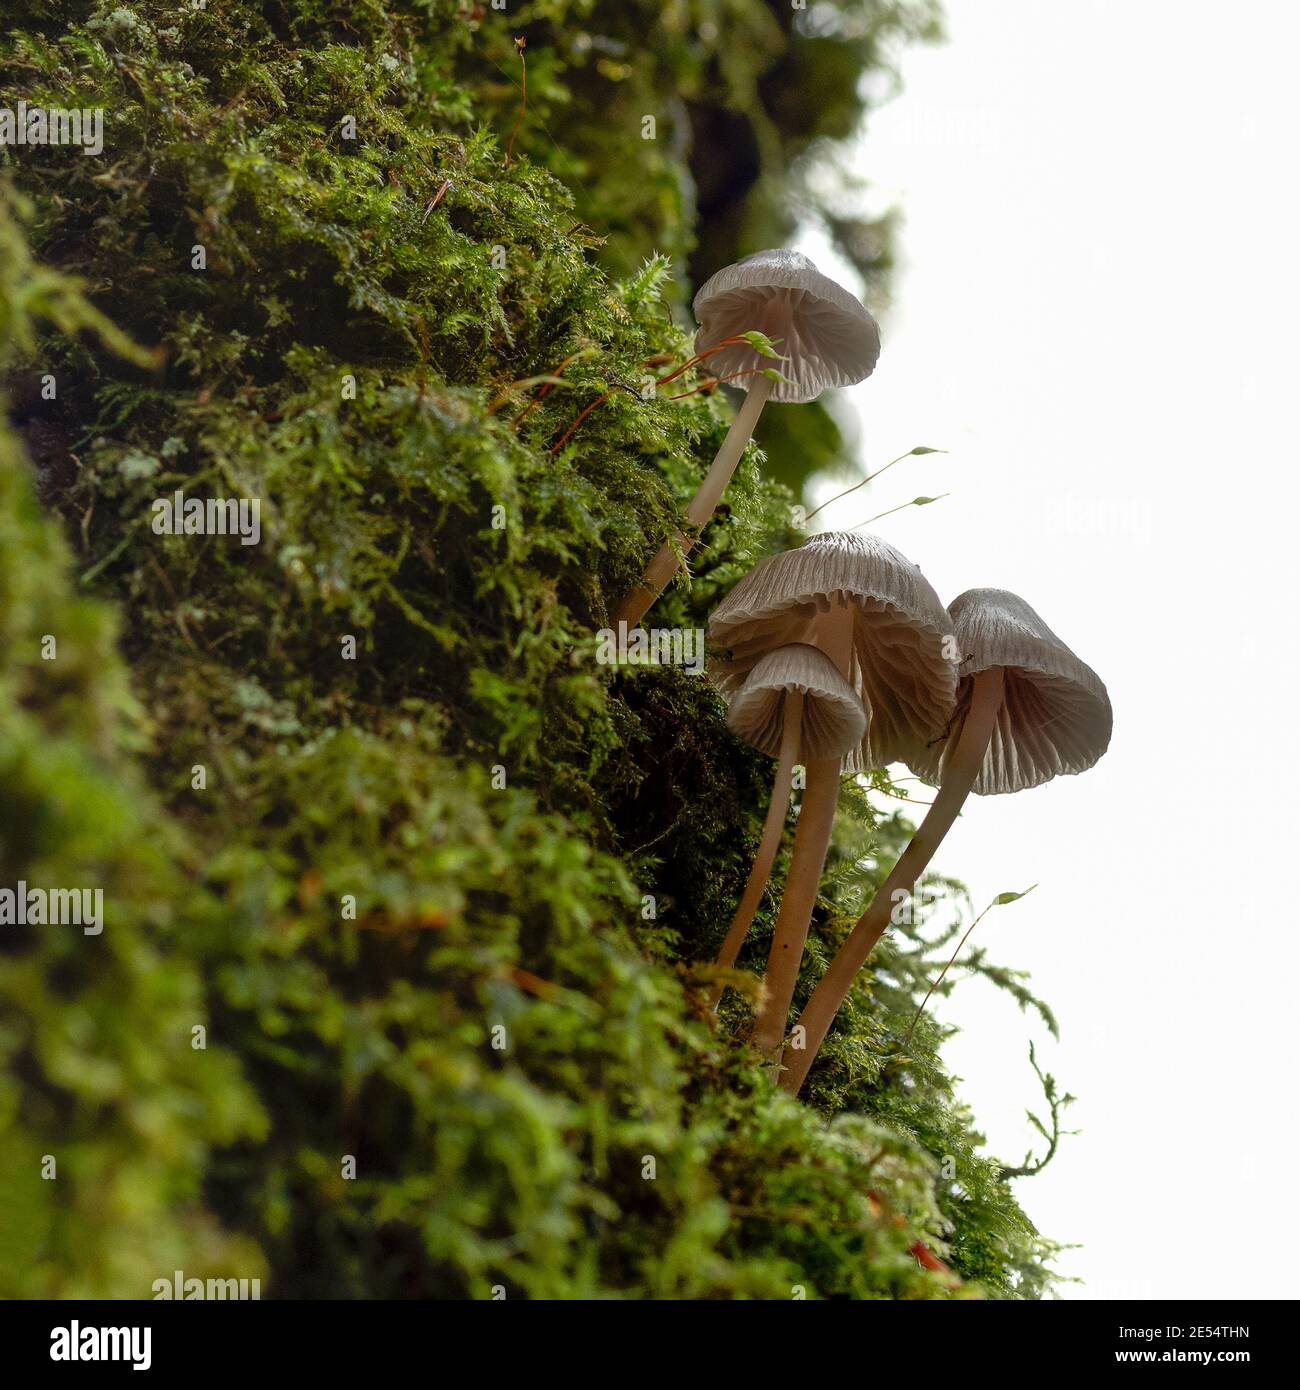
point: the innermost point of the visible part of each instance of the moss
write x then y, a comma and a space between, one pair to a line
441, 902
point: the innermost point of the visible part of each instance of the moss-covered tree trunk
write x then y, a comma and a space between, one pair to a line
406, 894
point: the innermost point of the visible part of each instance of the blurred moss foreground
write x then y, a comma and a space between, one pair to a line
406, 898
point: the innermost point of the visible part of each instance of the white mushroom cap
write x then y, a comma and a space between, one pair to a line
828, 336
1055, 717
833, 720
898, 667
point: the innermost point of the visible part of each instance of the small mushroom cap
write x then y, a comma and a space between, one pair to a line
824, 331
833, 720
1055, 717
899, 667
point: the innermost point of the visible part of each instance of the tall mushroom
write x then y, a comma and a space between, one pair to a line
1028, 710
794, 706
866, 607
823, 332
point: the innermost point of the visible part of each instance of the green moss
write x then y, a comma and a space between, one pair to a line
442, 904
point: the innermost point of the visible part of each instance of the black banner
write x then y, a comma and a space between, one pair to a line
169, 1337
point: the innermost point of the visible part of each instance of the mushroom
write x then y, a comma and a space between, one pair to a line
827, 340
794, 706
867, 608
1028, 710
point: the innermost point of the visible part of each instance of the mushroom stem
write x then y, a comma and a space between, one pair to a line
791, 731
958, 779
660, 570
811, 841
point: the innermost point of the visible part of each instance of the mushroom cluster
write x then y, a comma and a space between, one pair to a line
1016, 710
839, 654
1027, 710
871, 614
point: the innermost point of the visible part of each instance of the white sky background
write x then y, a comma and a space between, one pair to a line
1096, 311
